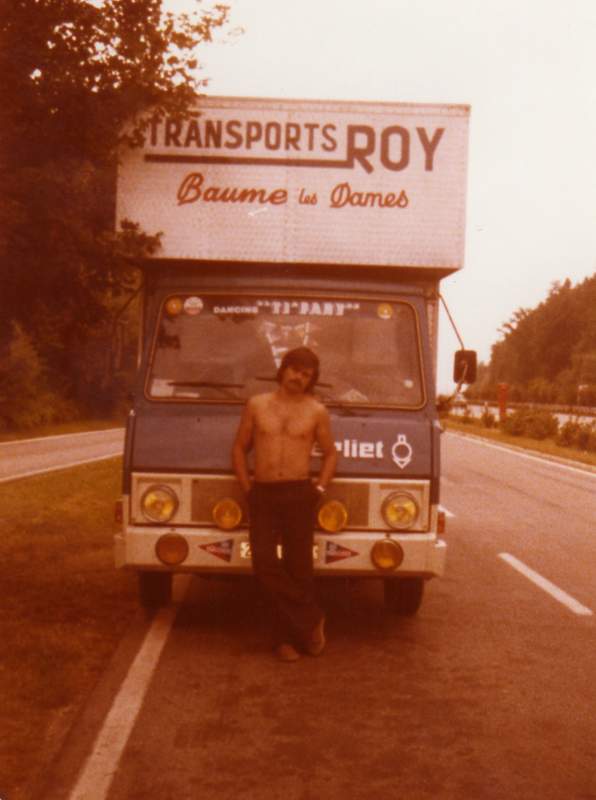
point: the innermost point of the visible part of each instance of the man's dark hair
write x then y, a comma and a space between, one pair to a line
300, 357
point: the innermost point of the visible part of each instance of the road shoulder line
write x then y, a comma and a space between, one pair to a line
563, 463
43, 471
543, 583
60, 436
100, 767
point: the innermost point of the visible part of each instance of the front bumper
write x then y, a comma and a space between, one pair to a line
215, 551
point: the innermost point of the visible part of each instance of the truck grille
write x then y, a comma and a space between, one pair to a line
355, 497
198, 495
207, 491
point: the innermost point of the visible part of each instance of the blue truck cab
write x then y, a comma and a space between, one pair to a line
217, 320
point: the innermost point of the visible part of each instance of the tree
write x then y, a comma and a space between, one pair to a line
74, 72
25, 397
547, 352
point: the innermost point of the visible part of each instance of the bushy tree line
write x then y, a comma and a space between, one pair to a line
537, 423
548, 353
74, 71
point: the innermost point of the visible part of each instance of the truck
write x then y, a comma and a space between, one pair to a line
287, 223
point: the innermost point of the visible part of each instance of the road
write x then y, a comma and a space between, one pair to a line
488, 694
23, 458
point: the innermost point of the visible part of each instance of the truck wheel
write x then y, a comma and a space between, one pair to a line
155, 589
403, 595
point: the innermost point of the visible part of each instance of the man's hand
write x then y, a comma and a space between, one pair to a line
325, 441
242, 445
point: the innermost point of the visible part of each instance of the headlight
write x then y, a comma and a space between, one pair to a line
332, 516
227, 514
171, 549
400, 511
159, 503
386, 555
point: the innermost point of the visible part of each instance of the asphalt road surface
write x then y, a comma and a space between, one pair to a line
489, 693
34, 456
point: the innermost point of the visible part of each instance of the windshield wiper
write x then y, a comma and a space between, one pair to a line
210, 385
345, 410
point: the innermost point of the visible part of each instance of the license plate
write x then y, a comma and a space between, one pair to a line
245, 551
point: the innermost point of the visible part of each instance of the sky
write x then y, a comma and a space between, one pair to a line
526, 67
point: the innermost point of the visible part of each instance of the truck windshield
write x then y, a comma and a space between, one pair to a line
225, 348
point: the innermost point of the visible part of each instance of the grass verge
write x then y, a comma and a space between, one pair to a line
546, 447
65, 609
77, 426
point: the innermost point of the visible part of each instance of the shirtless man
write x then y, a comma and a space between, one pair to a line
282, 427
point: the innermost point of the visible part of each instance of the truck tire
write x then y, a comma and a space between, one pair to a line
155, 589
403, 595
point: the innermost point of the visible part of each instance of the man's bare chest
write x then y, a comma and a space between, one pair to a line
286, 422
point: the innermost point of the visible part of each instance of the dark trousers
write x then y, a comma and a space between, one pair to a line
284, 513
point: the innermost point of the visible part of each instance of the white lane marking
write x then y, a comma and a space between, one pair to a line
19, 475
544, 584
446, 511
100, 767
59, 436
477, 440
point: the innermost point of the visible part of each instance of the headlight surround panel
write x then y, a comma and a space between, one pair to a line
197, 495
388, 505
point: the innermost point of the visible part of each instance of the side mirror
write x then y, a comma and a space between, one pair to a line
464, 366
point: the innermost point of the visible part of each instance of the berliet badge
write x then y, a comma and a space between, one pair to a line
401, 451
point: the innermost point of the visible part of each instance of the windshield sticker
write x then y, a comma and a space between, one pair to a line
385, 311
282, 338
337, 552
237, 309
193, 306
402, 452
221, 550
308, 308
174, 306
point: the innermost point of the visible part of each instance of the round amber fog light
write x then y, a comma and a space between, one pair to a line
227, 514
171, 549
332, 516
386, 555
